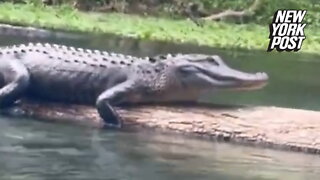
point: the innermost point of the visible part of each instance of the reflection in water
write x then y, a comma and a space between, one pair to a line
36, 150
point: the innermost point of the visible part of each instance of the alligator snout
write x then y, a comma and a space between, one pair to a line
251, 77
262, 76
253, 81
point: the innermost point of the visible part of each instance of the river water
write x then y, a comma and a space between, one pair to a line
38, 150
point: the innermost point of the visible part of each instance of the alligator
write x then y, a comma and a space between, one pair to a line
55, 72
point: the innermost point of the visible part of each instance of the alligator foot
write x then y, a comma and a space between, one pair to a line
115, 96
110, 116
108, 125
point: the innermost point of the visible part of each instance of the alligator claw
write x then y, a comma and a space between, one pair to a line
112, 121
109, 115
112, 126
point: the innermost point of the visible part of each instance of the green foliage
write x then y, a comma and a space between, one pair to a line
217, 34
265, 13
266, 9
262, 15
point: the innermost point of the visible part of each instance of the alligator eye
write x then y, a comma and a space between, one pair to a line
213, 61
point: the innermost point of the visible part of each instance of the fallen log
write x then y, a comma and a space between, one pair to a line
274, 127
240, 14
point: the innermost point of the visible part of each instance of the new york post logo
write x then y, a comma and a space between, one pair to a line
287, 30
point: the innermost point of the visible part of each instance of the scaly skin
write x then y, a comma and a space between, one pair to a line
59, 73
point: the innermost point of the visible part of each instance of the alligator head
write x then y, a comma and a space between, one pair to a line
210, 72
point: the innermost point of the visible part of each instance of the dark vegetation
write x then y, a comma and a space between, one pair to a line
216, 23
239, 11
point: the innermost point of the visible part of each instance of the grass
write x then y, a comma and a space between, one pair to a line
216, 34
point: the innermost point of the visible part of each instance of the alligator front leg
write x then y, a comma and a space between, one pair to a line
14, 81
109, 97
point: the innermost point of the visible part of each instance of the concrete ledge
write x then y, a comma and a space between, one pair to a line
272, 127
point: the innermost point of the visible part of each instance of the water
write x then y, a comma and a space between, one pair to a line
38, 150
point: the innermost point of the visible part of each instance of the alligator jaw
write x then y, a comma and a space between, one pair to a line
254, 81
237, 80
